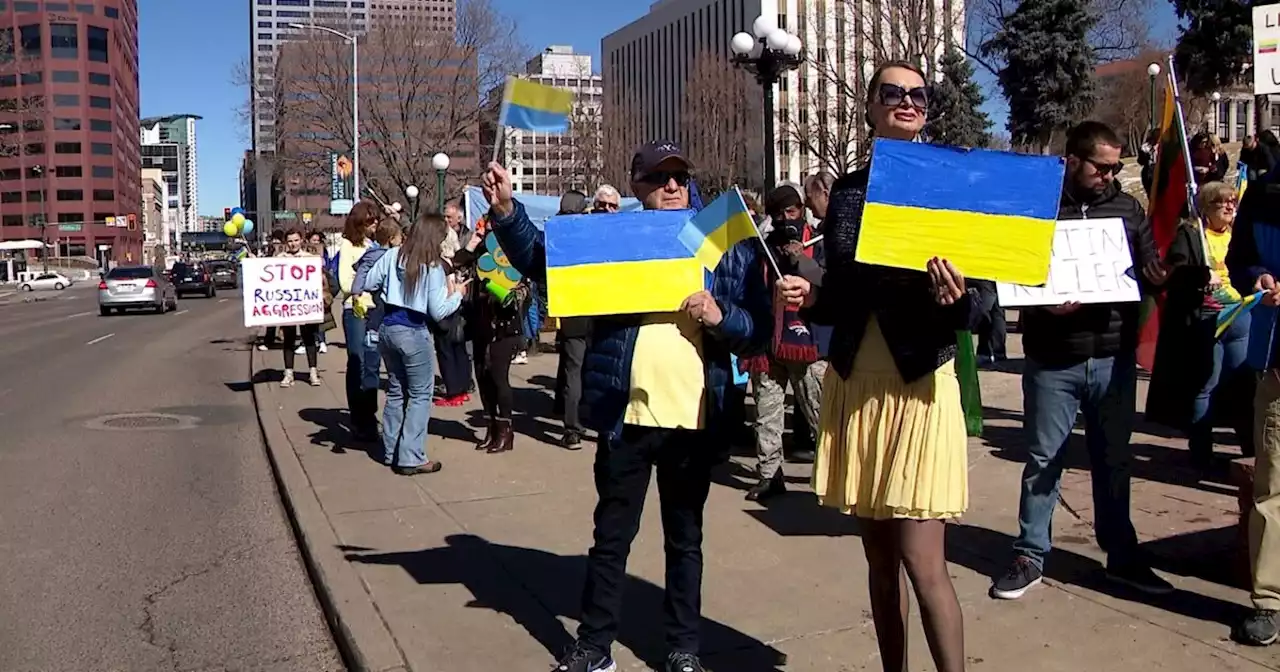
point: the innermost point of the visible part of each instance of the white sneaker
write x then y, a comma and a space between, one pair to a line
324, 347
314, 378
300, 350
287, 381
262, 347
521, 358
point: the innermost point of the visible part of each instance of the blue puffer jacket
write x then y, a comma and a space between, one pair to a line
737, 286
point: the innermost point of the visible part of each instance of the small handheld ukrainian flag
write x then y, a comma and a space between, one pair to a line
531, 106
718, 227
1242, 179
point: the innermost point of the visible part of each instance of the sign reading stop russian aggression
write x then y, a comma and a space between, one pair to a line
1091, 263
282, 291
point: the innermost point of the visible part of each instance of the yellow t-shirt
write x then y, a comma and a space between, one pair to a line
1219, 241
668, 379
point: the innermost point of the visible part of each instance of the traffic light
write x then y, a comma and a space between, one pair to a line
226, 214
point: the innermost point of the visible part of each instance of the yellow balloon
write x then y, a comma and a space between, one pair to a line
231, 229
237, 219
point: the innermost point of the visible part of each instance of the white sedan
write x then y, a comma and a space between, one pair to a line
46, 281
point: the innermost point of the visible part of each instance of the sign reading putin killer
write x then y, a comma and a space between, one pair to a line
1091, 263
282, 291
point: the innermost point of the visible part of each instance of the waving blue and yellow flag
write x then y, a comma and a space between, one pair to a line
536, 107
718, 227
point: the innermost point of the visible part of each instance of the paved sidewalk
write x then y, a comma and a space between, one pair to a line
479, 567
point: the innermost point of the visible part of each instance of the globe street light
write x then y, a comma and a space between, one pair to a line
412, 192
1153, 70
768, 52
441, 163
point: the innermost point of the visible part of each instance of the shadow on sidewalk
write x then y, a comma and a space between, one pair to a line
550, 586
988, 552
333, 428
1150, 462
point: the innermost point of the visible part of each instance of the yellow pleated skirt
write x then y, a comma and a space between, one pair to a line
889, 449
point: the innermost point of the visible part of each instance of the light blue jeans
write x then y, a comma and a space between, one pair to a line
1104, 390
409, 354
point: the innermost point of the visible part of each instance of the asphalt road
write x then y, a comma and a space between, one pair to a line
128, 548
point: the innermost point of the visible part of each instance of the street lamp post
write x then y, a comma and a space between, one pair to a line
768, 55
441, 163
1153, 71
355, 98
44, 214
412, 192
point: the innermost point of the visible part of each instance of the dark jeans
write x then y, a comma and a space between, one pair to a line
1229, 364
493, 371
622, 468
362, 403
1104, 390
992, 331
454, 365
573, 350
290, 336
269, 338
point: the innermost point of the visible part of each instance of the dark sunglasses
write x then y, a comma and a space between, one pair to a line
660, 178
601, 205
1105, 168
892, 95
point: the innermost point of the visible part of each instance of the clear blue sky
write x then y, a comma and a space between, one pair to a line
189, 52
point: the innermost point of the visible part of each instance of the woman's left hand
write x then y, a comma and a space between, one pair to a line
948, 283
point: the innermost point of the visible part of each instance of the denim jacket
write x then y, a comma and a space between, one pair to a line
373, 317
431, 298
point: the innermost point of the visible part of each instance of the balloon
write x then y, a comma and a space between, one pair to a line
237, 210
247, 227
231, 229
237, 219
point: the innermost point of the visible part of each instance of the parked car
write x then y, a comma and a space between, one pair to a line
226, 275
126, 287
46, 281
192, 278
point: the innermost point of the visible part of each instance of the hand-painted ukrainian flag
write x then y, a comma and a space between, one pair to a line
991, 214
619, 264
1229, 314
718, 227
1242, 179
535, 107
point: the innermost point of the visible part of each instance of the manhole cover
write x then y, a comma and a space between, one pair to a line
143, 422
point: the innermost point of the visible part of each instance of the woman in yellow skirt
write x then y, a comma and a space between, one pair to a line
892, 445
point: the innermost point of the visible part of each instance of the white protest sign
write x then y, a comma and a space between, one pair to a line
1266, 49
1091, 263
282, 291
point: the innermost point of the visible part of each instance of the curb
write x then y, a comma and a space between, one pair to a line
362, 637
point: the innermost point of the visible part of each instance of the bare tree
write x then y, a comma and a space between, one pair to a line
825, 118
422, 91
1124, 97
619, 136
25, 112
720, 130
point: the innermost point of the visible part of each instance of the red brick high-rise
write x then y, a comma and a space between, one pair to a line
69, 143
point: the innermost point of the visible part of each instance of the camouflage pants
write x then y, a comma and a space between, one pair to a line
770, 391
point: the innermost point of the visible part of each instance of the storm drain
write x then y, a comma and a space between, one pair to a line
143, 422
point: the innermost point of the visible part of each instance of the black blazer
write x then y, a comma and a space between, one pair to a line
921, 334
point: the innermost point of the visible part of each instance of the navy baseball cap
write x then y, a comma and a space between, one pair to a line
649, 155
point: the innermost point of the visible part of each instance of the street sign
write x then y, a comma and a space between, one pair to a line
284, 214
71, 227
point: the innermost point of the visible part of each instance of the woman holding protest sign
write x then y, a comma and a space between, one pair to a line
892, 444
293, 248
1200, 375
415, 291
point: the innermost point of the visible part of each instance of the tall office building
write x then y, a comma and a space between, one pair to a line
270, 26
69, 135
169, 143
648, 62
552, 164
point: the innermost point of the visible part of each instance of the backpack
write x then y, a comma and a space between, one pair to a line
330, 268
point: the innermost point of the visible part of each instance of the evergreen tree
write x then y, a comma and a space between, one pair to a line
956, 117
1215, 44
1048, 68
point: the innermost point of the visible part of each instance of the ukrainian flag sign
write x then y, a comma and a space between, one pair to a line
991, 214
535, 107
620, 264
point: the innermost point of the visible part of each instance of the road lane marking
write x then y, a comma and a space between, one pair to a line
99, 339
87, 312
222, 300
182, 312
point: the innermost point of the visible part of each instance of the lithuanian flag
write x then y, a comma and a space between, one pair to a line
1168, 202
